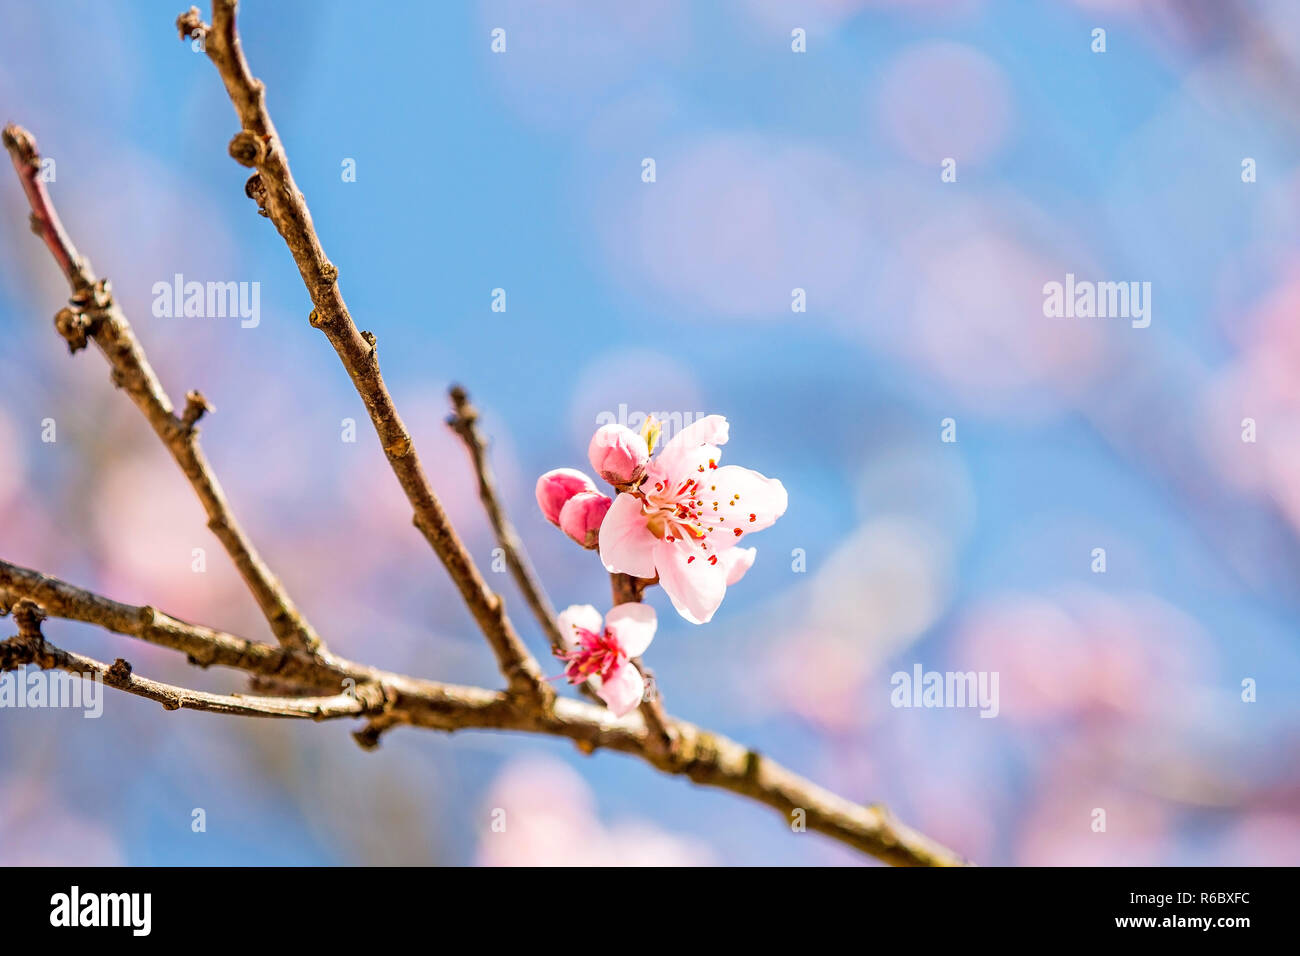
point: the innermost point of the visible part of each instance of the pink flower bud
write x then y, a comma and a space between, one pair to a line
556, 487
618, 454
581, 516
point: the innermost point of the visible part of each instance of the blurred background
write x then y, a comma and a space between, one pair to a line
774, 170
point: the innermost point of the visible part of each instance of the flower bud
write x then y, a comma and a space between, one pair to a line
581, 516
618, 454
556, 487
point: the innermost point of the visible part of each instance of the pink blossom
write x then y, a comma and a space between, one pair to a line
600, 651
618, 454
556, 487
685, 518
581, 516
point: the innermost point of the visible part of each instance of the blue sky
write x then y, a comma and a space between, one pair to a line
774, 170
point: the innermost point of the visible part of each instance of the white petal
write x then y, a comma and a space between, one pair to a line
577, 616
737, 561
626, 544
764, 498
622, 690
697, 587
709, 432
634, 626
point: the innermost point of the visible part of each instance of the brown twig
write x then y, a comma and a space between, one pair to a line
464, 422
706, 758
258, 145
94, 315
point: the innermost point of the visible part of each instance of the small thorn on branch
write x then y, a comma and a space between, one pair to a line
189, 22
196, 406
370, 736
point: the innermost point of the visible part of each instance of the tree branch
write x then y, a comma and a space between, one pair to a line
258, 145
706, 758
464, 422
94, 315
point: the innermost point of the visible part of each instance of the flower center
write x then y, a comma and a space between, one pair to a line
675, 513
595, 655
689, 511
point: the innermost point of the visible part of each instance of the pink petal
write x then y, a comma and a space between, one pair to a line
737, 561
672, 470
576, 616
622, 689
696, 588
709, 430
763, 498
634, 626
708, 433
556, 487
626, 544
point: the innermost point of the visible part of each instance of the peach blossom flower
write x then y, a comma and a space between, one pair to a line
684, 519
600, 651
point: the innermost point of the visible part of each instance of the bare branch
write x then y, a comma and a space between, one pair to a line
258, 145
93, 314
464, 422
706, 758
